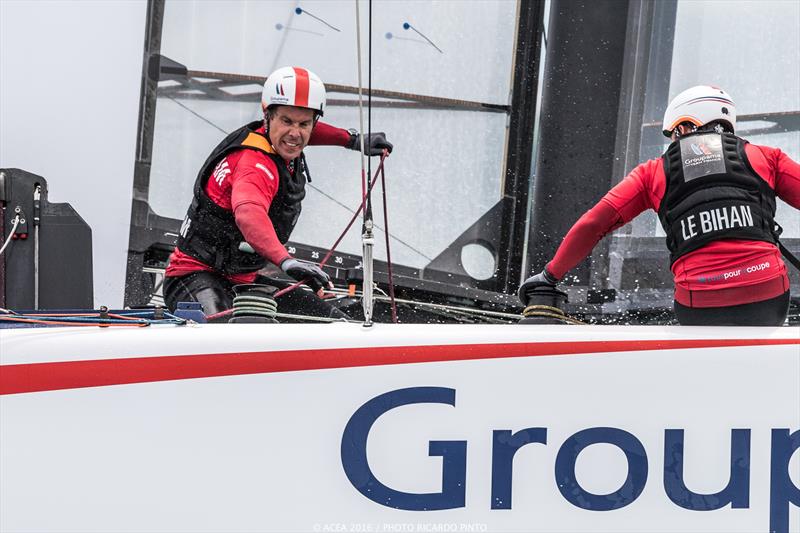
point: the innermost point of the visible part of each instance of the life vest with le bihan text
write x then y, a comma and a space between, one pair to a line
209, 232
713, 193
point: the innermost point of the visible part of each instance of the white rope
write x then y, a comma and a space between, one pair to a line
366, 239
360, 103
383, 297
13, 229
37, 196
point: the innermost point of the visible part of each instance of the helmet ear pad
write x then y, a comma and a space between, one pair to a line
684, 128
716, 125
269, 111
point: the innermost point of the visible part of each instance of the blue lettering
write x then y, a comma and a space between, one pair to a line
634, 482
782, 490
736, 492
505, 445
453, 453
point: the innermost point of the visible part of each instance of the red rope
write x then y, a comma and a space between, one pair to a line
84, 315
379, 170
388, 251
59, 323
221, 314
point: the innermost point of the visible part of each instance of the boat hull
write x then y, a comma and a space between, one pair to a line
338, 427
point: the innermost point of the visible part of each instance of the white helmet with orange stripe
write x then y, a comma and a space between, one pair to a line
294, 86
699, 106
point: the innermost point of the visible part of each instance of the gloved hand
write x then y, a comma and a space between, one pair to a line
308, 273
542, 279
374, 143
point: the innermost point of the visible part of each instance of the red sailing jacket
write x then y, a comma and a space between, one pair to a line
250, 177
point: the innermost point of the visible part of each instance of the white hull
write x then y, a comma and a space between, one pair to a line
255, 427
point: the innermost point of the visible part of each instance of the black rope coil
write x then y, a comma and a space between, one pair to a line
547, 311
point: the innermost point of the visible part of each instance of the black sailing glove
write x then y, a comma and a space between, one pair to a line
308, 273
374, 143
542, 279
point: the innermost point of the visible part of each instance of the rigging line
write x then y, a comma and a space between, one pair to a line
457, 313
310, 318
408, 26
360, 105
388, 252
333, 248
368, 211
198, 115
311, 186
300, 11
395, 237
283, 39
456, 308
355, 215
367, 240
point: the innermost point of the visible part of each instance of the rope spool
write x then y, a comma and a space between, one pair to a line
545, 306
548, 313
253, 304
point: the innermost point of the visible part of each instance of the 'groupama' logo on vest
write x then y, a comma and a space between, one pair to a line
701, 155
700, 149
506, 443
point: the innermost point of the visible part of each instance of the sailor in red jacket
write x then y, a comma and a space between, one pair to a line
247, 199
715, 197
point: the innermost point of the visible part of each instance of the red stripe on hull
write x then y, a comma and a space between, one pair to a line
37, 377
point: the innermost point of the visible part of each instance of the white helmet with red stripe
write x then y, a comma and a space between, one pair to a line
700, 105
296, 87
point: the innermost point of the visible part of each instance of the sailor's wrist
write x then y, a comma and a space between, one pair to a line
351, 143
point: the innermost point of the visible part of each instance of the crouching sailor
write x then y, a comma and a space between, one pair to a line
247, 199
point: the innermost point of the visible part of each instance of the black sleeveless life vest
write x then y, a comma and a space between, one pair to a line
209, 232
713, 193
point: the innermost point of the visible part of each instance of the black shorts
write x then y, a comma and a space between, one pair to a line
770, 312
